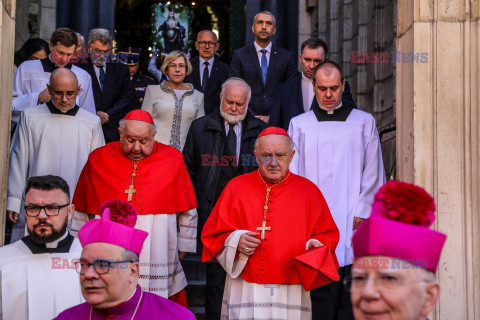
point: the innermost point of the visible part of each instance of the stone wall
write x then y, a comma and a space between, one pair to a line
352, 29
34, 19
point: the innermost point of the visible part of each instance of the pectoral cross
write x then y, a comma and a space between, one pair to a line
263, 228
130, 192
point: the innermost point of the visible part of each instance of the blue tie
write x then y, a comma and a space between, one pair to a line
264, 65
205, 76
102, 77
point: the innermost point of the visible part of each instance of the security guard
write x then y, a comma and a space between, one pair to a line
139, 81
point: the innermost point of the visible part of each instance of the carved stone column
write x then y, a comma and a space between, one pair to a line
438, 135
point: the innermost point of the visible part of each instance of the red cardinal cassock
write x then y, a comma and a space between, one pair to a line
162, 183
297, 212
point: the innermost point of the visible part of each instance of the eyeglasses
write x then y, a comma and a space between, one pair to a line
68, 94
382, 282
204, 43
50, 210
100, 266
100, 52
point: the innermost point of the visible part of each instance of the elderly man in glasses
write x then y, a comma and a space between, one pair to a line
396, 255
109, 270
37, 276
52, 138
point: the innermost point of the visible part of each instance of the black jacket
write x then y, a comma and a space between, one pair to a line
115, 97
205, 141
288, 102
282, 67
218, 75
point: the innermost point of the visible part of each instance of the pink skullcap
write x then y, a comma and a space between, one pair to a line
273, 130
399, 227
116, 226
139, 115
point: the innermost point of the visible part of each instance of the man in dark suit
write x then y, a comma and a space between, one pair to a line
263, 65
296, 96
219, 147
110, 83
208, 72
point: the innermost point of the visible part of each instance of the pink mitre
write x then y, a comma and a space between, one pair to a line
399, 227
273, 130
116, 226
139, 115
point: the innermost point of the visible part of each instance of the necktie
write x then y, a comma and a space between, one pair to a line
231, 142
264, 65
102, 77
205, 76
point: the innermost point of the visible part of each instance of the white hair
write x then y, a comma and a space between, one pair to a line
234, 81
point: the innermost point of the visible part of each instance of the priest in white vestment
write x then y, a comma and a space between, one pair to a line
262, 223
53, 138
37, 273
31, 78
338, 149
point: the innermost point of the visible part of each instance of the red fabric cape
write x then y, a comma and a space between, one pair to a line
297, 213
162, 182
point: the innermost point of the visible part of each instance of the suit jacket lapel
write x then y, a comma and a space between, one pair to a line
254, 58
213, 74
298, 86
196, 72
91, 70
271, 63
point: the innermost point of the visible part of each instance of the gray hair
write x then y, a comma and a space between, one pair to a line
130, 255
236, 82
81, 38
290, 141
265, 12
100, 34
122, 123
172, 56
427, 275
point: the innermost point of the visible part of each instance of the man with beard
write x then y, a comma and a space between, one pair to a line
53, 138
263, 65
110, 82
37, 274
218, 148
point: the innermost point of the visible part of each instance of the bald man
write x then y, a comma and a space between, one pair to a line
208, 72
53, 138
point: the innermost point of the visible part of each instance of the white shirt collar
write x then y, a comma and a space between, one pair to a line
258, 48
210, 62
54, 244
331, 111
306, 79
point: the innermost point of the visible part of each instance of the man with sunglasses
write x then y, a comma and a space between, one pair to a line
53, 138
110, 82
37, 276
109, 271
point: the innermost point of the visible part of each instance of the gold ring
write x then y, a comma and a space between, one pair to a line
247, 249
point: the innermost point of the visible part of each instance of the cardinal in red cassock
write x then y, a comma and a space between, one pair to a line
152, 177
272, 231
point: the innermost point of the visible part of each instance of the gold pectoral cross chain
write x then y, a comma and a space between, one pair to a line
264, 227
131, 190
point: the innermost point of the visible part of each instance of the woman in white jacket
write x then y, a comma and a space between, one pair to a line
174, 104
